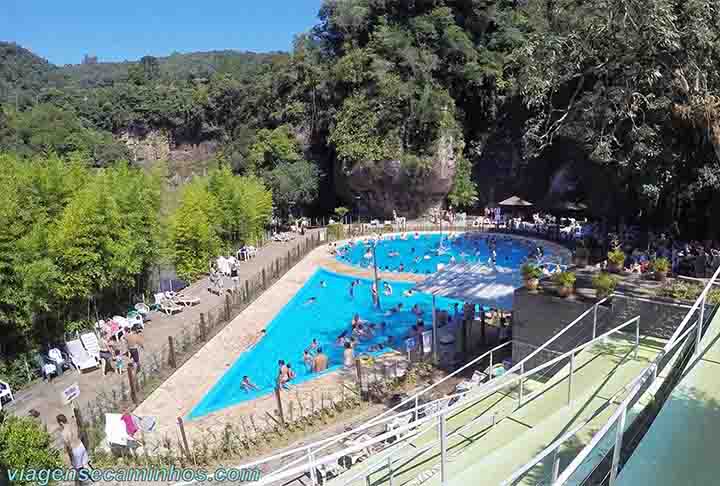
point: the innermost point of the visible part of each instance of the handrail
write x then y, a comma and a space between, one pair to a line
377, 420
278, 475
651, 372
701, 298
556, 336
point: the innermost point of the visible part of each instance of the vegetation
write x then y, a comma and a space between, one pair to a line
604, 284
531, 271
616, 257
660, 265
688, 291
564, 279
25, 444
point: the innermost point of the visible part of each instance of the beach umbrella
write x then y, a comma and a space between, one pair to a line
515, 202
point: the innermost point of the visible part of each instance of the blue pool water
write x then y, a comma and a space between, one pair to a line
299, 322
424, 253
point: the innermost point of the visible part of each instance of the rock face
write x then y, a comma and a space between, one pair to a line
387, 185
151, 145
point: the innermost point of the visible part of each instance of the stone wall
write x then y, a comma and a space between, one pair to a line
161, 145
538, 317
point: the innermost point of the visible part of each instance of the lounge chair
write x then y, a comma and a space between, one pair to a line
187, 301
90, 341
79, 356
167, 306
135, 319
5, 393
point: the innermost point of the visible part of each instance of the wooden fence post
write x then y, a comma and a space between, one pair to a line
277, 268
82, 429
264, 282
279, 404
247, 291
358, 367
227, 308
287, 260
131, 380
171, 353
203, 331
186, 446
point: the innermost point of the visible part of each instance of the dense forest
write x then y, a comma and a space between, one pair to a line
384, 104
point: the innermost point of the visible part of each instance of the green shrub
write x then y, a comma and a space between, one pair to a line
530, 270
688, 291
341, 212
16, 373
604, 283
616, 257
564, 279
25, 444
335, 231
661, 265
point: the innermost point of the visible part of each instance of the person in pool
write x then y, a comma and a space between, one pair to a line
340, 340
387, 289
394, 310
248, 385
323, 284
417, 310
313, 346
282, 373
409, 293
320, 363
308, 360
311, 300
351, 290
291, 373
401, 268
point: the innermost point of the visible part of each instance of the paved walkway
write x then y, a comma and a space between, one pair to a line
46, 397
681, 447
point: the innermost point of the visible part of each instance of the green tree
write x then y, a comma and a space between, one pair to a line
464, 191
294, 183
271, 147
193, 235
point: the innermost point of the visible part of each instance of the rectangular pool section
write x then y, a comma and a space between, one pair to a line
324, 319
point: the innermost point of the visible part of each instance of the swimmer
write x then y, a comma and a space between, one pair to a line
311, 300
387, 289
258, 337
351, 290
401, 268
308, 360
417, 310
394, 310
340, 340
313, 345
452, 259
248, 385
409, 293
323, 284
291, 372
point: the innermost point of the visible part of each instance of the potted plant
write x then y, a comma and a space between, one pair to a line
565, 282
531, 274
616, 260
604, 284
660, 267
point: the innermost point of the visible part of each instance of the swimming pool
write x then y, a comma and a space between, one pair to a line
423, 253
300, 321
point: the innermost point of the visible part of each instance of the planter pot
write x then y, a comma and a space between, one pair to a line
614, 267
660, 276
565, 292
532, 284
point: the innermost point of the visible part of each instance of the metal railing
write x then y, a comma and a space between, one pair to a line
388, 458
688, 332
306, 455
422, 419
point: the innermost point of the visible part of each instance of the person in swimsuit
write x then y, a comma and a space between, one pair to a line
248, 385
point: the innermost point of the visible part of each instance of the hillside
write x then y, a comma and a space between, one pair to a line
408, 105
24, 75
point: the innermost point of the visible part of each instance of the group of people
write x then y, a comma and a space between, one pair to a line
117, 353
314, 359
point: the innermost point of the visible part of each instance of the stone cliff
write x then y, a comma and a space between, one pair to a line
151, 145
409, 189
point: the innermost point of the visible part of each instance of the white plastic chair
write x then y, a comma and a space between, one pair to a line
5, 392
92, 346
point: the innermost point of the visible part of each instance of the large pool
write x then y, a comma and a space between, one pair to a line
422, 253
301, 321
